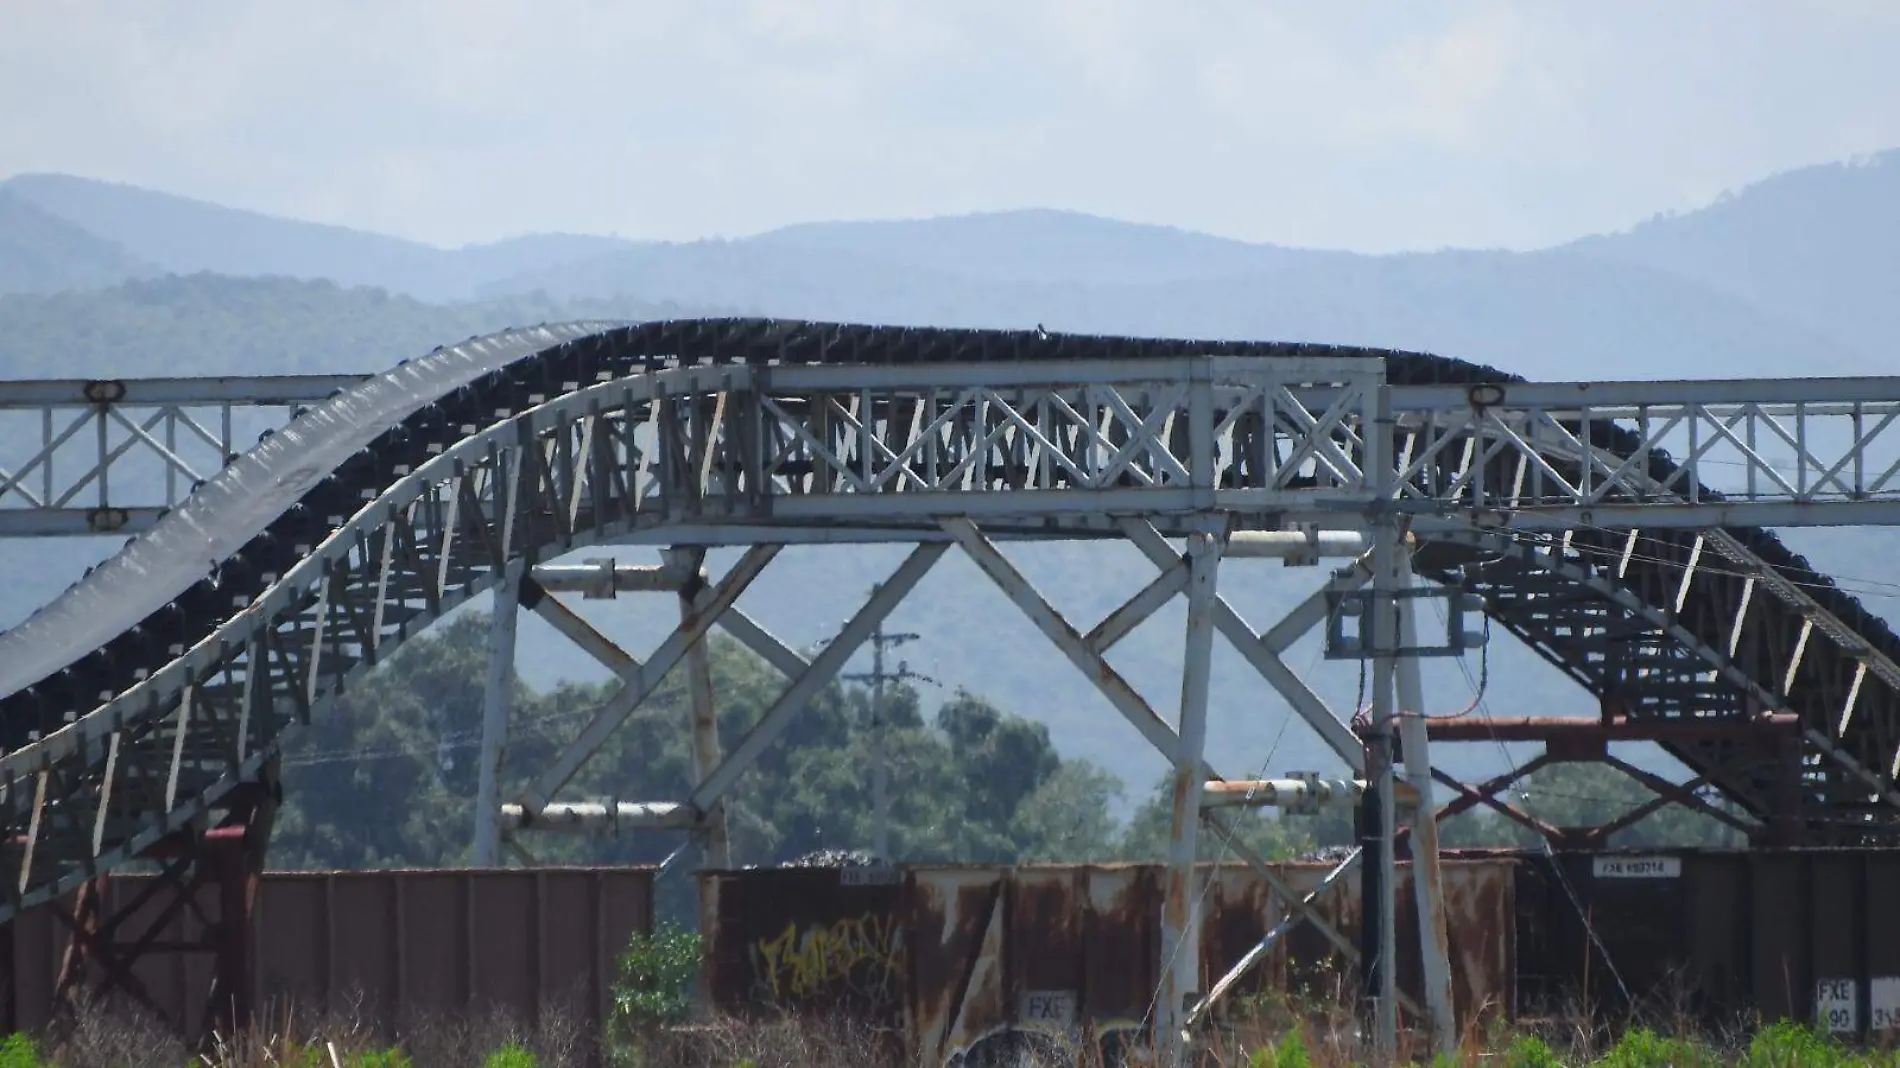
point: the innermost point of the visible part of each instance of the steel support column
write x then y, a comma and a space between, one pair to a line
1428, 884
1381, 919
1180, 909
498, 701
715, 849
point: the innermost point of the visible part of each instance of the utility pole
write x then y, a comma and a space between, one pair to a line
880, 771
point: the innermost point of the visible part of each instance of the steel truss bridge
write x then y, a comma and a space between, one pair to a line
1615, 528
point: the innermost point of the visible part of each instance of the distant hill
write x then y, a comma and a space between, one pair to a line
1799, 263
1818, 246
43, 253
185, 236
206, 324
1045, 246
1543, 315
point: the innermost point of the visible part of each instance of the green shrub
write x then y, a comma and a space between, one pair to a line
512, 1056
1529, 1051
654, 983
1790, 1045
1643, 1048
392, 1057
20, 1051
1289, 1052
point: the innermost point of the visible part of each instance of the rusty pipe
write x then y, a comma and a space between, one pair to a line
1572, 728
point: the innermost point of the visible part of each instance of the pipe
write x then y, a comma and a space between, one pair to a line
601, 817
1295, 545
1295, 793
603, 578
1549, 728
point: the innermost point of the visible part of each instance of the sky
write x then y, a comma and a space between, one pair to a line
1367, 126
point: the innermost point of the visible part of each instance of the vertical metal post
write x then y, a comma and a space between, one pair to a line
1428, 885
880, 771
498, 699
1180, 915
714, 844
1381, 954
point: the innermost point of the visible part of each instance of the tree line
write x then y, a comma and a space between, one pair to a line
387, 777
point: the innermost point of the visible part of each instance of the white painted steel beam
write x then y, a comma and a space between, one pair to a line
608, 718
498, 700
814, 678
1065, 637
1267, 662
1181, 904
715, 845
1428, 879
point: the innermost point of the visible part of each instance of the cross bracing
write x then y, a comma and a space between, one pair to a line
109, 456
764, 433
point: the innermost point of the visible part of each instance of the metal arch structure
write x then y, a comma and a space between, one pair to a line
471, 470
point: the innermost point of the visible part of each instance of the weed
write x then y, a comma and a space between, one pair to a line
512, 1056
1529, 1051
1289, 1052
19, 1051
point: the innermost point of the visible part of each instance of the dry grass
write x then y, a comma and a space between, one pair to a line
1269, 1032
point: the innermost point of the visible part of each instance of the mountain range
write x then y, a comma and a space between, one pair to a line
1794, 272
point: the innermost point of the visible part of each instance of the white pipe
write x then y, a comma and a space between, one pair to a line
604, 578
1295, 545
600, 817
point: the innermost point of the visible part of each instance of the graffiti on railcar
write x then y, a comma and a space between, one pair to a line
861, 955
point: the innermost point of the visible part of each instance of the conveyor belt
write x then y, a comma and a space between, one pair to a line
178, 585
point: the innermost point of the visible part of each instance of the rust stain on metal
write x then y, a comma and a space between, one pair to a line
996, 957
954, 960
799, 939
378, 944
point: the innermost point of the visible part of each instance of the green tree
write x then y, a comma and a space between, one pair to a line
1588, 795
386, 776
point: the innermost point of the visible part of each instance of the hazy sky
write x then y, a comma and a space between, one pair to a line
1371, 126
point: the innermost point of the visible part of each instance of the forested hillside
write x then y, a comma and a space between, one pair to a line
206, 324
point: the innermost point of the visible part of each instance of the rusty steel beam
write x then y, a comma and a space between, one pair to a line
1486, 795
1547, 729
1253, 956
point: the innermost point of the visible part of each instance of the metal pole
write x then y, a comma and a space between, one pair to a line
1427, 877
714, 844
1381, 959
880, 773
498, 699
1180, 915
